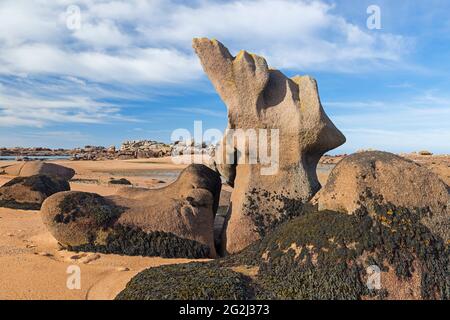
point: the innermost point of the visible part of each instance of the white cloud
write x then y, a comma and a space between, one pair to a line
419, 123
41, 138
202, 111
30, 107
148, 65
147, 43
154, 37
104, 34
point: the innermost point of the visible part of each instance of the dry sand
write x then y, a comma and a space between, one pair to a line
33, 266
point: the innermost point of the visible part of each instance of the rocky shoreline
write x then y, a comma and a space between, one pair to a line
146, 149
135, 149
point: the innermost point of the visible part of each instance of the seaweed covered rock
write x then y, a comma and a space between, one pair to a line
31, 168
263, 102
328, 255
365, 177
173, 221
76, 218
192, 281
121, 181
28, 193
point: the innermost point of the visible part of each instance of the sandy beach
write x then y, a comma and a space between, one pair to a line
35, 267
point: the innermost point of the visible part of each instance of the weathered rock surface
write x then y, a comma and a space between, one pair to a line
258, 97
121, 181
145, 149
32, 168
318, 255
362, 178
190, 147
28, 193
174, 221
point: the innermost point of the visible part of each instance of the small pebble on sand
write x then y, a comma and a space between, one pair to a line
78, 256
90, 258
123, 269
44, 254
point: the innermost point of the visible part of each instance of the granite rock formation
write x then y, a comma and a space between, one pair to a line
319, 255
259, 98
363, 178
28, 193
31, 168
173, 221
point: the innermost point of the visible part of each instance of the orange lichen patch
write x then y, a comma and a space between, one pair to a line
241, 54
384, 221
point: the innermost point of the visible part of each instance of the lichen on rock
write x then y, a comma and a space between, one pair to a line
263, 101
28, 193
173, 221
325, 255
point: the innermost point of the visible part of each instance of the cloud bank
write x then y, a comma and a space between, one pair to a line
148, 44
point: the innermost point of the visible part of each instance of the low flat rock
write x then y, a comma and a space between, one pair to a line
32, 168
28, 193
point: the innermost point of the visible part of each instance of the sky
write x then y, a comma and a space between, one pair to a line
75, 73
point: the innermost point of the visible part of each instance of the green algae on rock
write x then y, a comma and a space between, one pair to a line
193, 281
131, 241
325, 255
102, 211
121, 181
173, 221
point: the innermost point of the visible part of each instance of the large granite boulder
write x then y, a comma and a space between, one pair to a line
28, 193
31, 168
174, 221
384, 252
362, 178
259, 98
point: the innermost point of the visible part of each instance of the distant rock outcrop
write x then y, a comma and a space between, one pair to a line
190, 147
32, 168
173, 221
260, 98
362, 178
28, 193
425, 153
145, 149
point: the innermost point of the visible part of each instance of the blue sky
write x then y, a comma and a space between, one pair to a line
129, 72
